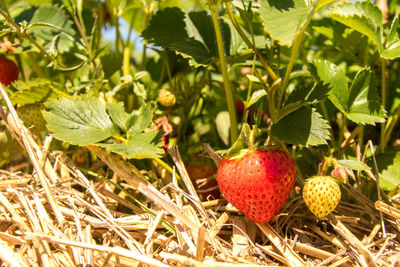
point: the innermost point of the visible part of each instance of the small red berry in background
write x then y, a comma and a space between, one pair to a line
8, 71
204, 181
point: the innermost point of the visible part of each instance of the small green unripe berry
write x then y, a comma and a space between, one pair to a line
31, 115
166, 98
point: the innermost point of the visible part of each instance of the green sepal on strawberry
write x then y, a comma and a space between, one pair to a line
256, 181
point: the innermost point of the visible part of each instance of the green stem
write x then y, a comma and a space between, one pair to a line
253, 67
245, 113
130, 31
120, 138
85, 41
223, 68
24, 34
327, 117
144, 51
168, 70
249, 43
167, 167
389, 126
35, 66
293, 56
117, 32
126, 61
382, 142
361, 135
341, 134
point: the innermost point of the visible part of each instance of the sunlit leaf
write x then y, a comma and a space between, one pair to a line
79, 121
392, 49
389, 169
283, 19
364, 17
53, 16
361, 102
353, 164
139, 146
331, 74
192, 35
34, 91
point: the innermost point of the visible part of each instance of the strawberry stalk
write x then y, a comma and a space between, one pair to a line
223, 68
295, 50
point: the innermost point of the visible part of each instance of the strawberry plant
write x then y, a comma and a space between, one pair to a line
281, 95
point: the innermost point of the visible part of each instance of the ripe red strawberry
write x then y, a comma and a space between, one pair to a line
239, 106
206, 185
257, 183
8, 71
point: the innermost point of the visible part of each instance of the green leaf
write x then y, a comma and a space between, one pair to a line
331, 74
79, 121
304, 126
392, 49
140, 74
191, 35
118, 115
133, 123
110, 62
38, 2
255, 96
393, 37
223, 124
87, 121
353, 164
140, 119
283, 19
289, 108
360, 103
200, 26
139, 146
34, 91
253, 78
389, 169
364, 102
364, 17
54, 33
322, 3
140, 91
311, 94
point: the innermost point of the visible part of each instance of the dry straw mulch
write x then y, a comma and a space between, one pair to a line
58, 216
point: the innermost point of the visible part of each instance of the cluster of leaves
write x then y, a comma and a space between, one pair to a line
317, 69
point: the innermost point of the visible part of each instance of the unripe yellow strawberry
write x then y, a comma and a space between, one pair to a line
166, 98
321, 195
